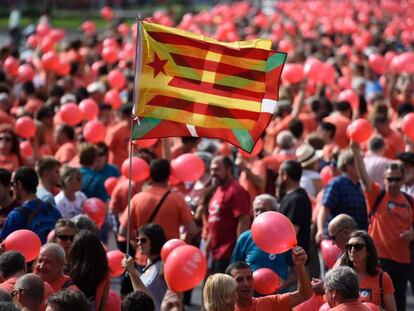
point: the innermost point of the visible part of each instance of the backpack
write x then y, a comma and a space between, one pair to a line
42, 220
381, 196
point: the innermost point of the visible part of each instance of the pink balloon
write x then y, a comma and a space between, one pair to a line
266, 281
107, 13
408, 125
293, 73
57, 34
25, 127
113, 98
25, 73
326, 175
406, 61
109, 55
140, 169
50, 60
89, 108
33, 41
359, 130
95, 209
110, 184
313, 68
47, 44
62, 68
123, 29
25, 242
11, 66
94, 131
350, 97
71, 114
187, 167
42, 29
88, 27
185, 268
377, 63
116, 79
169, 246
273, 233
328, 74
26, 149
114, 262
330, 253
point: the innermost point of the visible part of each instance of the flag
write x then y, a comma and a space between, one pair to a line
191, 85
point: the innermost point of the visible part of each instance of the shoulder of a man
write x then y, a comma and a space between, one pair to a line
273, 302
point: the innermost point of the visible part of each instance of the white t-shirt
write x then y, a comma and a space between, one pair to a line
67, 208
306, 181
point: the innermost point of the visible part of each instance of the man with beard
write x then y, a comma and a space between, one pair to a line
229, 213
47, 169
294, 202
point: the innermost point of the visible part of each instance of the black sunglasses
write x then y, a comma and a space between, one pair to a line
6, 138
65, 237
357, 246
142, 240
396, 179
333, 237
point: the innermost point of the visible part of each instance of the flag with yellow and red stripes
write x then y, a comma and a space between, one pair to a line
191, 85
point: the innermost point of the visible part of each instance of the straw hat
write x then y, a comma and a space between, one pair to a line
306, 154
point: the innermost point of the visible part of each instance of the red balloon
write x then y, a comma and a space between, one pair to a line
185, 268
110, 184
114, 262
140, 169
11, 66
312, 304
256, 150
116, 79
107, 13
273, 233
325, 307
26, 149
187, 167
113, 98
266, 281
350, 97
62, 68
113, 303
328, 74
408, 125
47, 44
406, 61
88, 27
169, 246
372, 306
326, 175
57, 34
123, 29
96, 210
25, 127
110, 42
50, 61
377, 63
25, 242
330, 253
293, 73
71, 114
94, 131
25, 73
359, 130
109, 55
145, 143
33, 41
313, 69
42, 29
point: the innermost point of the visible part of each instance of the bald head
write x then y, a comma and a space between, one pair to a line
55, 250
340, 228
32, 287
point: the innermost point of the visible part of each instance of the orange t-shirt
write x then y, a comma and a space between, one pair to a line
258, 168
351, 306
119, 197
392, 217
341, 122
369, 287
66, 152
10, 162
117, 139
268, 303
58, 284
173, 213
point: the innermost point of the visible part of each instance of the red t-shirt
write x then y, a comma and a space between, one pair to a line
268, 303
226, 206
369, 287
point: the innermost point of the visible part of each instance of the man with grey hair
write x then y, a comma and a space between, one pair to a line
247, 251
343, 195
49, 267
28, 292
342, 290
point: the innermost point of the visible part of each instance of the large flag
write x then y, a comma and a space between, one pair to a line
192, 85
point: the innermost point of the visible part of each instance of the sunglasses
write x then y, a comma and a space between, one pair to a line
65, 237
6, 139
16, 291
101, 154
333, 237
357, 246
396, 179
142, 240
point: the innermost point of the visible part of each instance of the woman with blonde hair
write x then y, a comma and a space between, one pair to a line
220, 293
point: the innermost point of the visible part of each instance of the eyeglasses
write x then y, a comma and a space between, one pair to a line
102, 154
357, 246
65, 237
142, 240
396, 179
333, 237
3, 138
16, 291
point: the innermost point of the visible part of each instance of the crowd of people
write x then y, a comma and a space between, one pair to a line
65, 126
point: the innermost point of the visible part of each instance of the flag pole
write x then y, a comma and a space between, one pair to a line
138, 59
